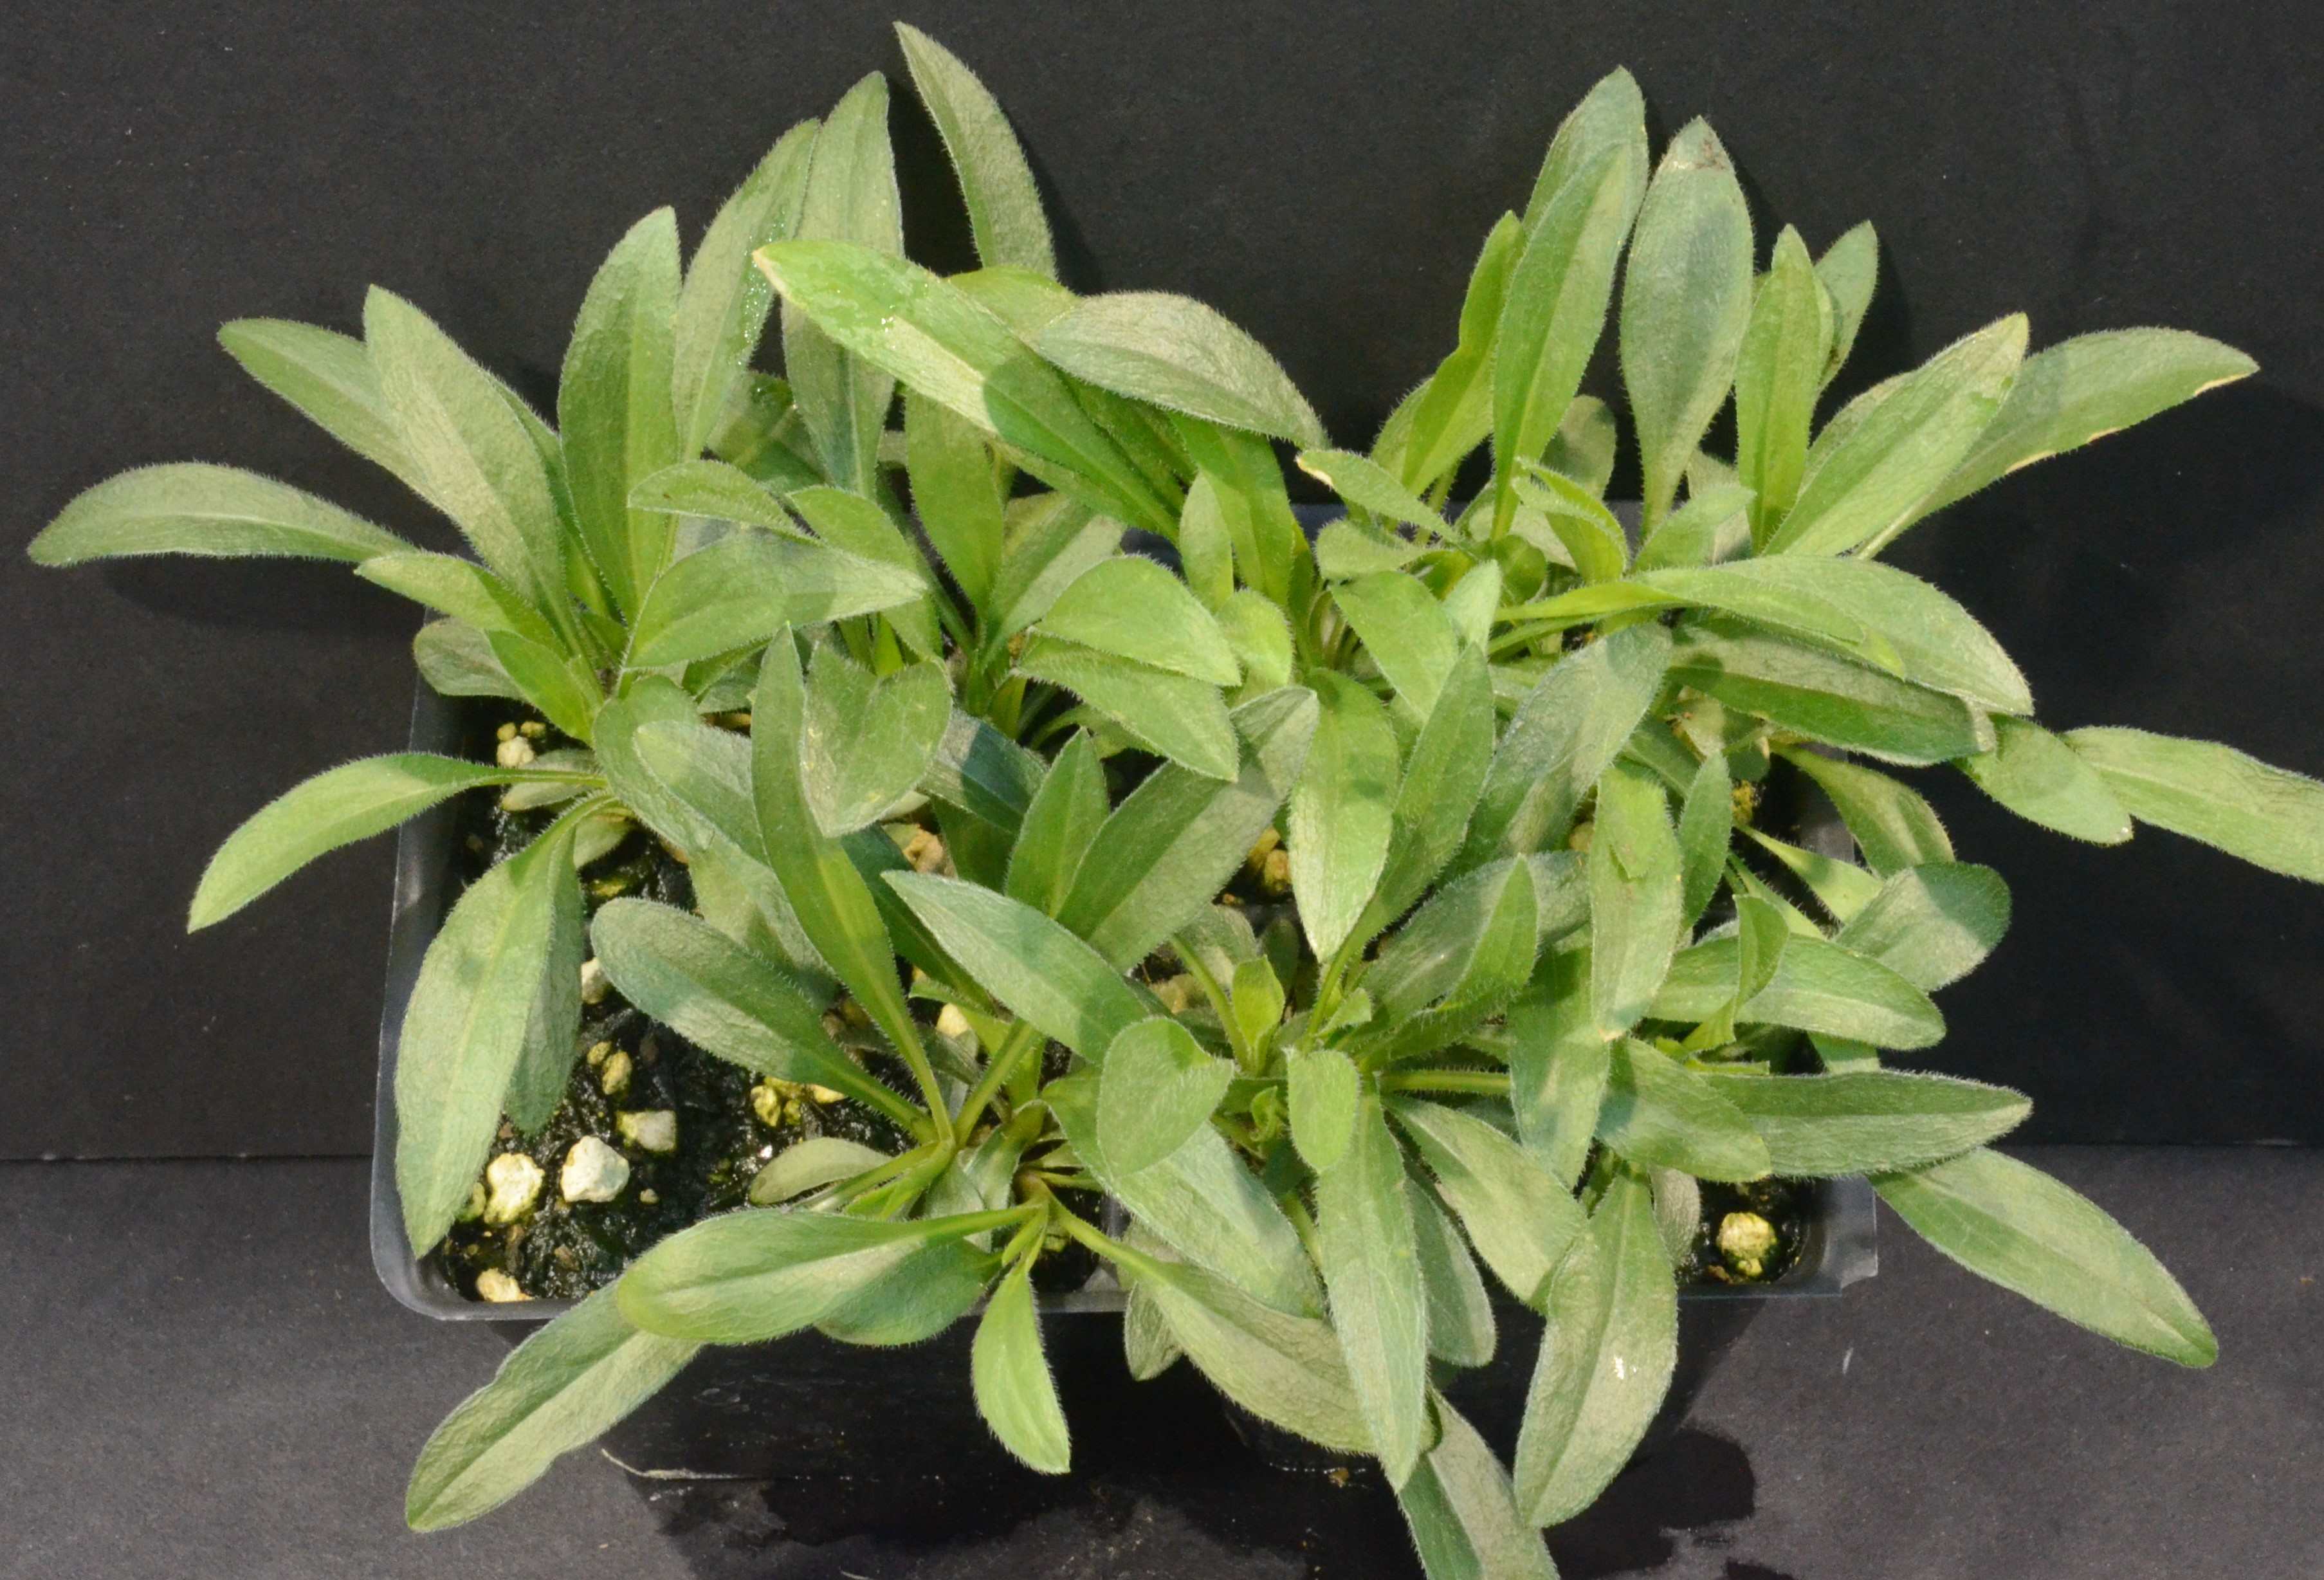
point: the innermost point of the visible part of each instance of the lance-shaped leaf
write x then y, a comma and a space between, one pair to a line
1777, 377
1040, 971
1932, 925
335, 809
1173, 843
328, 376
1898, 442
544, 1065
1369, 486
2010, 1223
1521, 1220
1461, 1324
1015, 1392
1590, 533
716, 490
465, 1028
1462, 956
214, 511
742, 589
1706, 824
866, 743
1341, 811
1658, 1114
1564, 733
614, 410
457, 660
722, 308
1181, 356
2268, 816
1442, 776
1004, 206
1611, 114
1453, 412
1200, 1201
764, 1272
1367, 1245
2044, 780
469, 446
1606, 1358
1824, 697
1324, 1091
1635, 896
982, 772
1405, 632
1713, 521
1165, 713
1157, 1088
1558, 1066
1817, 987
1687, 302
1891, 824
940, 342
1462, 1512
1282, 1368
462, 588
1134, 608
1868, 1122
714, 993
916, 1299
1848, 271
1059, 826
558, 1391
851, 200
2086, 388
812, 1164
1554, 311
955, 495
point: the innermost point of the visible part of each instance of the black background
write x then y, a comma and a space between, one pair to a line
1321, 174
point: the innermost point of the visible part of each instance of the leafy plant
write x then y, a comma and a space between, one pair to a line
1361, 915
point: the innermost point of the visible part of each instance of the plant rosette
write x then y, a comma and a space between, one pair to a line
1378, 920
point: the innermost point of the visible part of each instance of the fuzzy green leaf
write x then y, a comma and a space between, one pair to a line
1777, 378
1324, 1092
1452, 413
1521, 1219
1369, 485
1869, 1121
1133, 607
956, 495
1004, 206
1443, 773
2044, 781
1635, 896
1462, 1512
1060, 826
1157, 1088
1558, 1066
1341, 811
1367, 1246
1282, 1368
866, 741
1404, 630
1181, 356
742, 589
1461, 1323
214, 512
1817, 987
1824, 697
1015, 1392
1039, 970
1658, 1114
717, 490
722, 308
1932, 925
328, 376
1167, 714
2268, 816
1892, 825
1848, 271
1706, 824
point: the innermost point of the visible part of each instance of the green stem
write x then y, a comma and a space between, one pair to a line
1105, 1245
1482, 1082
1246, 1056
1023, 1036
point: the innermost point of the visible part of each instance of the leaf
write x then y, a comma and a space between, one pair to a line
1404, 630
465, 1027
718, 995
1817, 987
1891, 824
328, 377
469, 448
332, 809
722, 308
1932, 925
854, 524
1442, 776
1611, 114
983, 772
462, 588
1699, 531
1706, 825
1587, 532
1146, 1345
1452, 413
810, 1165
919, 1298
1868, 1122
956, 496
1686, 303
1369, 486
2266, 815
1462, 1513
1558, 1066
1015, 1392
557, 1392
1823, 697
1060, 827
742, 589
1367, 1246
214, 512
851, 200
457, 660
614, 410
1466, 952
1174, 841
2084, 389
1254, 507
1048, 547
1520, 1219
1324, 1093
1848, 271
766, 1272
1039, 970
1606, 1358
1554, 314
1658, 1114
2044, 781
1583, 445
2023, 1230
1284, 1369
544, 1063
1461, 1326
1133, 609
1341, 811
1181, 356
865, 743
1004, 206
716, 490
1777, 377
1635, 897
1873, 613
1157, 1088
1201, 1202
1905, 437
1167, 714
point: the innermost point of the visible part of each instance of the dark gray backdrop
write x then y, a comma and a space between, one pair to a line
1321, 174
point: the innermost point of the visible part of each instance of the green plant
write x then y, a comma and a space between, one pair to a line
1541, 968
